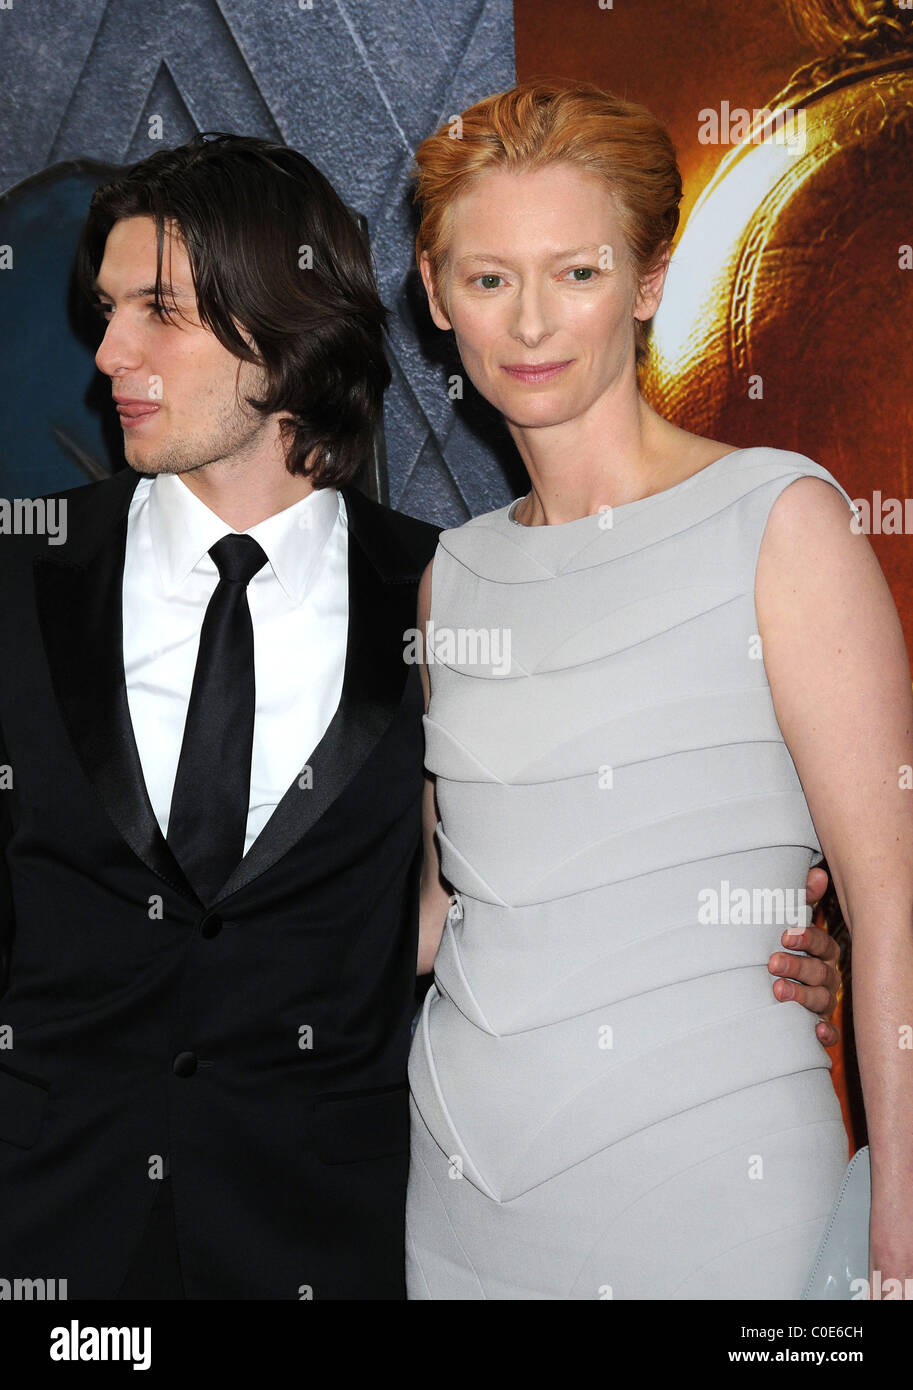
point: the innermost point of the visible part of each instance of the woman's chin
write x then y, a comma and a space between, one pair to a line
530, 415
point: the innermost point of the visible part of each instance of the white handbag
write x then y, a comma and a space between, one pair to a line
840, 1269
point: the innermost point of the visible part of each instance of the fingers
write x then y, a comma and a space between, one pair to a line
827, 1034
808, 970
816, 998
815, 886
815, 940
811, 981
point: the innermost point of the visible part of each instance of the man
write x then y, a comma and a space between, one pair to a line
212, 822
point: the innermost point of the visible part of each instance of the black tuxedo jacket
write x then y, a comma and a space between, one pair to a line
253, 1046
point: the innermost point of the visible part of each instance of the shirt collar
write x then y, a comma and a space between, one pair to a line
183, 530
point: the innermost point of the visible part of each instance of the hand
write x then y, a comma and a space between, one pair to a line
813, 980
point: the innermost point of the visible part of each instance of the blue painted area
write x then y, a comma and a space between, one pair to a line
51, 382
355, 86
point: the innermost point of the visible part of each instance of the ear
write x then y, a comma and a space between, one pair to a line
650, 292
434, 303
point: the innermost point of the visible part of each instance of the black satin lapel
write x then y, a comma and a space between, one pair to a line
80, 610
373, 681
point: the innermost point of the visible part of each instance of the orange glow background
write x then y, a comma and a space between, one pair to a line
675, 56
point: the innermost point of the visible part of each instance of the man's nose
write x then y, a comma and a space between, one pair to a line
119, 349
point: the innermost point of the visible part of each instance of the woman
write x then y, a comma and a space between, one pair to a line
629, 744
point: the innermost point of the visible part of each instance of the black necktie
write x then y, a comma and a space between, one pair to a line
209, 803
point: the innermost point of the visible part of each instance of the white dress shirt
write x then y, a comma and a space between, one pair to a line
299, 609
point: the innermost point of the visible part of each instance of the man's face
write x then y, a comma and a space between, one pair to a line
180, 393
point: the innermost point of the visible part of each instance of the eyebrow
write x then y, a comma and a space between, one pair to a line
555, 255
168, 291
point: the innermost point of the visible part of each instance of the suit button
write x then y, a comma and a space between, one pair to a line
184, 1064
211, 925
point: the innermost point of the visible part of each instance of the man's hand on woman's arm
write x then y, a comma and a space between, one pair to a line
810, 980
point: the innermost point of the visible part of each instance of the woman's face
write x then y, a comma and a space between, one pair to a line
540, 293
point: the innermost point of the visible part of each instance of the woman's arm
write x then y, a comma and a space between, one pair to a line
847, 719
435, 895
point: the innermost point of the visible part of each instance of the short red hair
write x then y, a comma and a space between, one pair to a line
548, 121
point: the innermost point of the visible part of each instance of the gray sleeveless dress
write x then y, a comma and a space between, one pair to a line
607, 1100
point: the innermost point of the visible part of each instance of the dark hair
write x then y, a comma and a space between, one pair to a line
248, 211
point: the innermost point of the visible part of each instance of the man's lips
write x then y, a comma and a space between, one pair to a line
536, 371
133, 412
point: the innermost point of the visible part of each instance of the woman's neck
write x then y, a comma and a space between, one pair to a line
604, 458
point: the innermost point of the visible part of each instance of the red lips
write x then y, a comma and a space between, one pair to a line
535, 371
